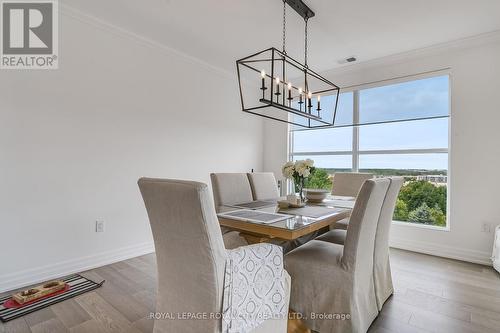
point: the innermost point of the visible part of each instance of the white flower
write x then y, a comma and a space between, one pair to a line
302, 167
288, 170
304, 172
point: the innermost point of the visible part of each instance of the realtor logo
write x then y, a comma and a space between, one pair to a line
29, 34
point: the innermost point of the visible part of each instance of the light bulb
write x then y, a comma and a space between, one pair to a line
309, 94
263, 73
300, 91
289, 85
319, 98
277, 80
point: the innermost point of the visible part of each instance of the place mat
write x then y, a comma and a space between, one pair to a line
311, 211
337, 203
256, 216
77, 285
255, 204
340, 197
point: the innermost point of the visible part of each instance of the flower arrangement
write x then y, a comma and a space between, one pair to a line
299, 172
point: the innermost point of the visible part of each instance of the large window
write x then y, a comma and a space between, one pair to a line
415, 149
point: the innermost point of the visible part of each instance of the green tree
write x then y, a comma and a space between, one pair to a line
401, 211
415, 193
319, 179
438, 217
421, 215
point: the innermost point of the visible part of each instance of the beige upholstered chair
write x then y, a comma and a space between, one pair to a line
231, 188
190, 255
382, 268
347, 184
263, 185
334, 279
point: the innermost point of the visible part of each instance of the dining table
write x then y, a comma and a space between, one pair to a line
299, 222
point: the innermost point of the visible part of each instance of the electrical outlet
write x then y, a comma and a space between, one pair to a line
99, 226
486, 227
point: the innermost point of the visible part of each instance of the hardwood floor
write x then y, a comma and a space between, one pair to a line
431, 295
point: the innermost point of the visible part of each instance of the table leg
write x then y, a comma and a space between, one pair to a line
254, 239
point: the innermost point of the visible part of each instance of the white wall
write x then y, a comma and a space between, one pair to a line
74, 141
474, 147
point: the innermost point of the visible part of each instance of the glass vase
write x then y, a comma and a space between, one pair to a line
300, 185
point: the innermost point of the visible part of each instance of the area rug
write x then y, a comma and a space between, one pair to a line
75, 285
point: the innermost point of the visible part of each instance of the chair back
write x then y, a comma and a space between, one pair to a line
360, 240
381, 268
263, 185
230, 188
349, 183
190, 252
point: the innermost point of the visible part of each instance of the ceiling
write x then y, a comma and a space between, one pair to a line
221, 31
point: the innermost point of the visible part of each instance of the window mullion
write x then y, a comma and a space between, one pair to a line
355, 132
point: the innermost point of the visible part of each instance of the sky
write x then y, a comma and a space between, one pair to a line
414, 99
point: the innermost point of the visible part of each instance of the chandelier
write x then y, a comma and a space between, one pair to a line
276, 86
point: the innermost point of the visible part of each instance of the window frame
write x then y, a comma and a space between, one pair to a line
356, 152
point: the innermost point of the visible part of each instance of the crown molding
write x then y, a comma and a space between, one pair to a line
83, 17
432, 50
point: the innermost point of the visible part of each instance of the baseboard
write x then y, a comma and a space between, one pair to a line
496, 267
40, 274
44, 273
473, 256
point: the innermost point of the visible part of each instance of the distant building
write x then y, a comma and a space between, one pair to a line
436, 179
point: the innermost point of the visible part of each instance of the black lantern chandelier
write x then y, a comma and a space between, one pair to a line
276, 86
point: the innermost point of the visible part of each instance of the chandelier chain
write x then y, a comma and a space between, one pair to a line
305, 43
284, 26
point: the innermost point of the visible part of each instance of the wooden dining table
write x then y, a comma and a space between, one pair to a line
302, 221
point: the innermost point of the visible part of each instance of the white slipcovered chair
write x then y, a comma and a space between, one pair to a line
231, 188
337, 280
194, 274
264, 185
347, 184
382, 268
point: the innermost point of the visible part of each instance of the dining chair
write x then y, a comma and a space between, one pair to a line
347, 184
191, 258
264, 185
231, 188
337, 280
382, 269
